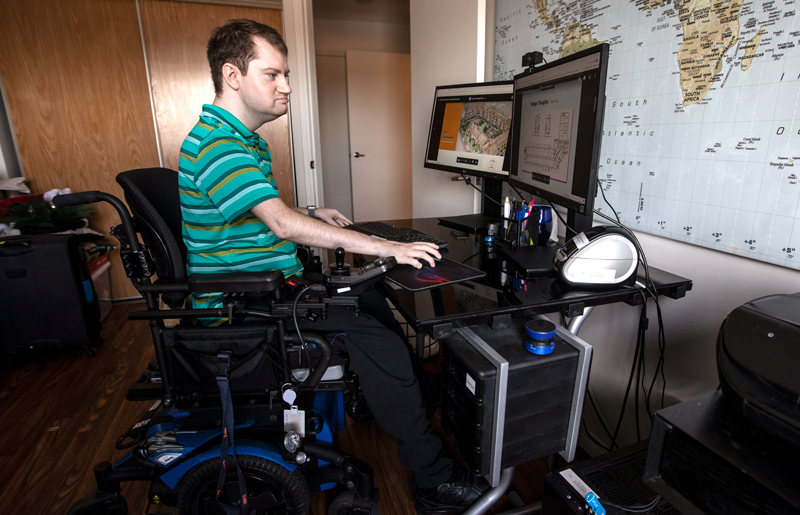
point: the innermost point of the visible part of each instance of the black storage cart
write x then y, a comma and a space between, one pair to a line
47, 300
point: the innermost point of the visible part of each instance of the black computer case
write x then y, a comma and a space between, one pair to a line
47, 300
706, 458
615, 478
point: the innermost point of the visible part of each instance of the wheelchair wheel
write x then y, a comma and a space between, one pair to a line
271, 488
343, 505
100, 503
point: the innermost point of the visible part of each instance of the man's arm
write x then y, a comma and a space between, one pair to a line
332, 216
289, 224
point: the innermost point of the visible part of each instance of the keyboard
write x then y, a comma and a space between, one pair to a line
390, 232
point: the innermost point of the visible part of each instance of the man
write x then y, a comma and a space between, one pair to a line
234, 220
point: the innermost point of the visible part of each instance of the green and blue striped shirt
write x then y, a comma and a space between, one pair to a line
224, 171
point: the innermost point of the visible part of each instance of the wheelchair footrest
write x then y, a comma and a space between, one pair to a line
145, 391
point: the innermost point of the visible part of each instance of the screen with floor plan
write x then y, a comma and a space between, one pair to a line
558, 115
470, 128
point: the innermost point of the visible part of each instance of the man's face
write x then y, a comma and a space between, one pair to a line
265, 89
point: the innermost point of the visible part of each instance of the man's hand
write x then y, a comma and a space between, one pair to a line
405, 253
332, 216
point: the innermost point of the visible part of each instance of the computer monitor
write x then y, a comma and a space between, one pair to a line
557, 128
469, 129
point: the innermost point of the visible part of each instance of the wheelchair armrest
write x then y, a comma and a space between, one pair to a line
239, 282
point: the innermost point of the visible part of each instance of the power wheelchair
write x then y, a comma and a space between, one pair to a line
282, 395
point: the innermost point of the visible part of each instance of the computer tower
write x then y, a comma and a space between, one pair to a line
615, 478
47, 301
502, 405
706, 458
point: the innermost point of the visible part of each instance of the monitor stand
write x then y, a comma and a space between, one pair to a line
470, 224
476, 223
535, 260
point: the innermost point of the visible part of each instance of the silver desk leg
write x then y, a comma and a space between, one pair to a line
491, 496
528, 509
575, 324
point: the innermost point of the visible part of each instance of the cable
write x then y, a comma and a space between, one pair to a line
597, 412
649, 289
303, 343
560, 217
603, 193
592, 438
633, 509
469, 182
521, 196
470, 257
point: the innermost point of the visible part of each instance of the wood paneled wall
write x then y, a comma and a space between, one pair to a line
78, 98
75, 75
176, 35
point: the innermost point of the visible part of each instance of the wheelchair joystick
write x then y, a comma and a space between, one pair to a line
340, 279
340, 268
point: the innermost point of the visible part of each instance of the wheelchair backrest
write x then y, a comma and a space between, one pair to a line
152, 195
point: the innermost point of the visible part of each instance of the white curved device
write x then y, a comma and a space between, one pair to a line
601, 256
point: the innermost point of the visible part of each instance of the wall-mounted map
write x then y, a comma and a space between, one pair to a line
702, 124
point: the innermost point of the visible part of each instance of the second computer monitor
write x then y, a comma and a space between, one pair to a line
470, 127
558, 122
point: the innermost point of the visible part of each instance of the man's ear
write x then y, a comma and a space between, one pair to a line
232, 76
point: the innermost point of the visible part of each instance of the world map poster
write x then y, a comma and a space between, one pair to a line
702, 118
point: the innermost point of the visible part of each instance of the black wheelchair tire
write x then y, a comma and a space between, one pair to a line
343, 505
110, 503
288, 488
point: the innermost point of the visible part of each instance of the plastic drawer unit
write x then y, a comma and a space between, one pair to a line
502, 405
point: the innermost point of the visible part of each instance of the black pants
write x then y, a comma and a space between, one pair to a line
386, 368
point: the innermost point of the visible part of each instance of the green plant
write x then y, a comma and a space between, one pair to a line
38, 216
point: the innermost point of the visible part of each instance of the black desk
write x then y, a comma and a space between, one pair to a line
502, 294
499, 297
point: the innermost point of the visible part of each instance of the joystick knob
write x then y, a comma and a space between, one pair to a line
340, 268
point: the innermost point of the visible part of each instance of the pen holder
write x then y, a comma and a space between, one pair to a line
524, 231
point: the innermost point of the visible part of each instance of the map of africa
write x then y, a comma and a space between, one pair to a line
702, 120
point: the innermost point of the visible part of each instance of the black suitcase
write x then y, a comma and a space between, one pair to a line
47, 301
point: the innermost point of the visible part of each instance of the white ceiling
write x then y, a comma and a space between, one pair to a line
381, 11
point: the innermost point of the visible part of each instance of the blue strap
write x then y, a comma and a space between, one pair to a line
227, 438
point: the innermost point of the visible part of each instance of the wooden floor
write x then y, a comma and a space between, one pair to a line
62, 413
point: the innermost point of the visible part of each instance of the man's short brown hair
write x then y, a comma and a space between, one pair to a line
233, 43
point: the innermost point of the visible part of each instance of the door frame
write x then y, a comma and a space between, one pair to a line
298, 28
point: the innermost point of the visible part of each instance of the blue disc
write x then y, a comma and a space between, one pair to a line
535, 349
540, 329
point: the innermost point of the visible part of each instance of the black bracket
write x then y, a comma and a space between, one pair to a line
442, 331
501, 321
574, 310
223, 364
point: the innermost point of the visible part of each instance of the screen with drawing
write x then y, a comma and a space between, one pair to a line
470, 128
558, 118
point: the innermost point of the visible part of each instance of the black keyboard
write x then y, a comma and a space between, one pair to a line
390, 232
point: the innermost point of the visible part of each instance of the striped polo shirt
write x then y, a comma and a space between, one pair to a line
224, 171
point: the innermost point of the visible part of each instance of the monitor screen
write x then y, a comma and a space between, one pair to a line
558, 121
470, 128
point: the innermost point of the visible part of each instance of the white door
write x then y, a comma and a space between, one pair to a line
379, 109
333, 131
